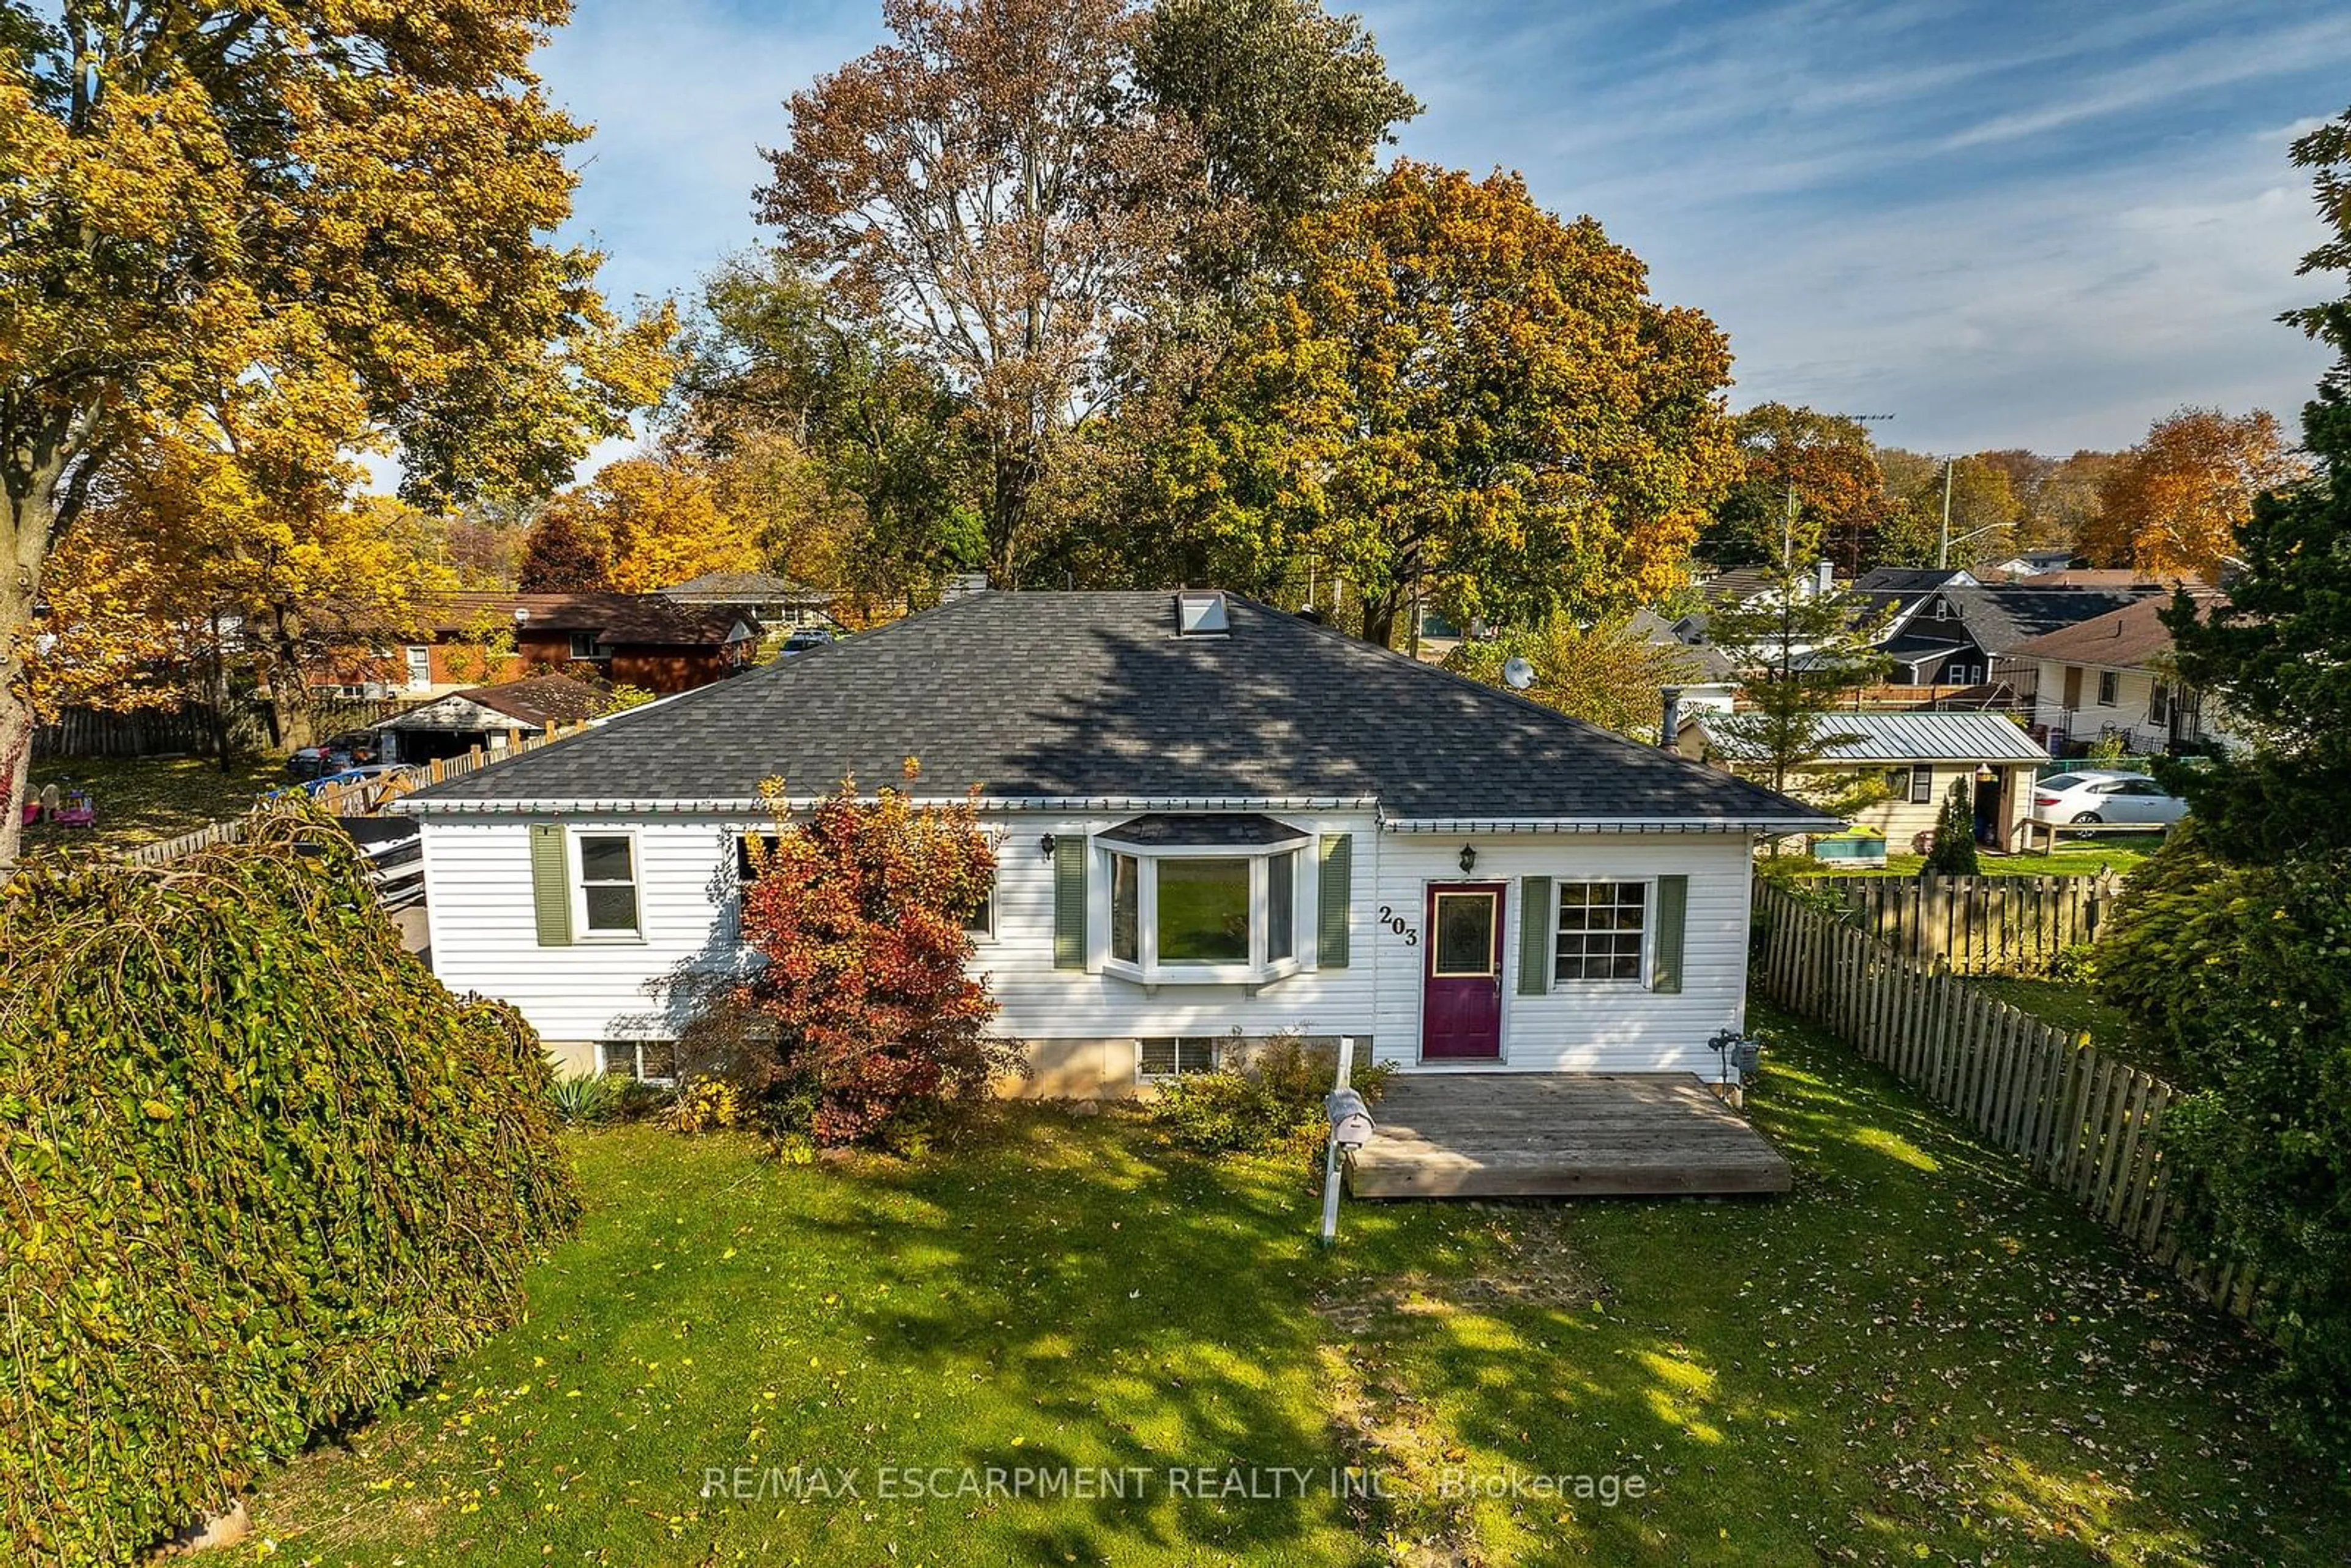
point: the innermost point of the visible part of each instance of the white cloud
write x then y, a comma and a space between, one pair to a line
2040, 230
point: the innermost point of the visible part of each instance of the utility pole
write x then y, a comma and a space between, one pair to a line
1788, 537
1943, 550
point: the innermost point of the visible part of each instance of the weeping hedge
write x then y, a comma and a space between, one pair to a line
258, 1173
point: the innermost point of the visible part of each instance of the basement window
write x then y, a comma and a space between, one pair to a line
1175, 1057
646, 1060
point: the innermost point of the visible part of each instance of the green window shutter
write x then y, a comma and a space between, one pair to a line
550, 884
1534, 936
1672, 908
1071, 851
1334, 905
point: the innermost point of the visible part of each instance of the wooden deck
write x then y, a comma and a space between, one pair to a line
1559, 1134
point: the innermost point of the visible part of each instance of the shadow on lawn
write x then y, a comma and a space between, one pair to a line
1150, 1303
1917, 1352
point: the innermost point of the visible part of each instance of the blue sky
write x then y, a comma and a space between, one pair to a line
2006, 225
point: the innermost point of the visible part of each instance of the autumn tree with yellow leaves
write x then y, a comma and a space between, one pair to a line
337, 208
2174, 505
640, 524
1464, 400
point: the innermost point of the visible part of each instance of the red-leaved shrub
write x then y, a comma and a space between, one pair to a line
861, 910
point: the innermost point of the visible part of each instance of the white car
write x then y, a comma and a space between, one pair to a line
2089, 799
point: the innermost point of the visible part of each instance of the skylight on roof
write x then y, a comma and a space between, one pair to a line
1201, 614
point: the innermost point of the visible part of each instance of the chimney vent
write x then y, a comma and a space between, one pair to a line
963, 585
1670, 727
1825, 579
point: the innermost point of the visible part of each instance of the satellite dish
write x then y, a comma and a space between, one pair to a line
1518, 675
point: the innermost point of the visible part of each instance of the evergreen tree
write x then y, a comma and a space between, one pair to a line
1954, 853
2278, 651
1799, 651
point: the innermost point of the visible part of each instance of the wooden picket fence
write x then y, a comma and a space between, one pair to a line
2087, 1124
360, 799
1980, 924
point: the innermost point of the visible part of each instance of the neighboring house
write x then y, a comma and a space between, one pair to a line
1713, 683
2030, 563
767, 598
489, 717
2109, 576
1891, 597
1747, 587
1756, 584
625, 638
1960, 635
1216, 823
1919, 756
2108, 677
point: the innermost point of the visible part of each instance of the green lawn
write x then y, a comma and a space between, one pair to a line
2121, 853
1916, 1355
146, 799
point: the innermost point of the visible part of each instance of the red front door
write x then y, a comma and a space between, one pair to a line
1461, 986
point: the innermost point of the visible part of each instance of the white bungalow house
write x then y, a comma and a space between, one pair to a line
2110, 678
1214, 822
1919, 756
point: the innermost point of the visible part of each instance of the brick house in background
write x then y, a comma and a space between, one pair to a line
643, 640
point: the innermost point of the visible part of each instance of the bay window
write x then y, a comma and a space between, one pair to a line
1203, 899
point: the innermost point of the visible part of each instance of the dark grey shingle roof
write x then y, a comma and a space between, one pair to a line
1216, 829
2002, 616
1909, 580
1094, 696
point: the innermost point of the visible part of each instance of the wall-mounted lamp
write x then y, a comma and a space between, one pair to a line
1046, 844
1469, 859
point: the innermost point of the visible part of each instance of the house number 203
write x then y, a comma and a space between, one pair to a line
1400, 925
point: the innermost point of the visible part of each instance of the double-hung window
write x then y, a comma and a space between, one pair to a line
1194, 899
1604, 931
608, 906
1922, 785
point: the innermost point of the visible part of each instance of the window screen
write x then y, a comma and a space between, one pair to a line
1602, 928
608, 882
1126, 909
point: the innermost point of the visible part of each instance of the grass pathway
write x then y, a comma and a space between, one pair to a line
1914, 1356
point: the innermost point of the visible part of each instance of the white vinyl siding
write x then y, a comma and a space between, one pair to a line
479, 908
1612, 1027
2135, 711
